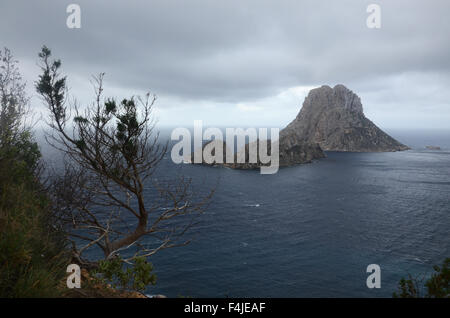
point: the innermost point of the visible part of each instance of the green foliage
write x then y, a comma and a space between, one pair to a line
13, 99
16, 141
80, 120
50, 85
80, 143
437, 286
408, 288
110, 106
134, 277
23, 154
32, 258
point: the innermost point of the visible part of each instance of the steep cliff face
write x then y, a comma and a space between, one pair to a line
334, 118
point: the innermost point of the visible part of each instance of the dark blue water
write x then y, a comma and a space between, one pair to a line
311, 230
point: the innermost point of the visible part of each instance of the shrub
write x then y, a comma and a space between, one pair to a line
437, 286
32, 258
137, 276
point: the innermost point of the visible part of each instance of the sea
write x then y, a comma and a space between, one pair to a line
312, 230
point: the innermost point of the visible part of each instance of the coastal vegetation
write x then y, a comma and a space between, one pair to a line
436, 286
111, 152
33, 256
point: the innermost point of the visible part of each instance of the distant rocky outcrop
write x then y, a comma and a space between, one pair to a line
291, 152
433, 148
294, 151
331, 119
334, 118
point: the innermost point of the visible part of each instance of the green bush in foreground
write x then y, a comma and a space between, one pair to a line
32, 258
437, 286
136, 277
32, 252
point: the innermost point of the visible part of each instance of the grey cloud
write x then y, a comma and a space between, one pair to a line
232, 51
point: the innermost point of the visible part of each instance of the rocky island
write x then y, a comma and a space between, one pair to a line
433, 148
291, 152
334, 118
331, 119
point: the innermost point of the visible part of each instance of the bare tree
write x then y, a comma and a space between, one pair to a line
16, 140
13, 100
111, 152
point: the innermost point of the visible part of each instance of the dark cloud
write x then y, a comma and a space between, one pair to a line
235, 51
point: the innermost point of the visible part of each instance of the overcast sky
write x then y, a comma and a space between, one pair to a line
245, 62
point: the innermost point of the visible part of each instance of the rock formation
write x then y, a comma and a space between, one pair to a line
433, 148
331, 119
291, 152
334, 118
